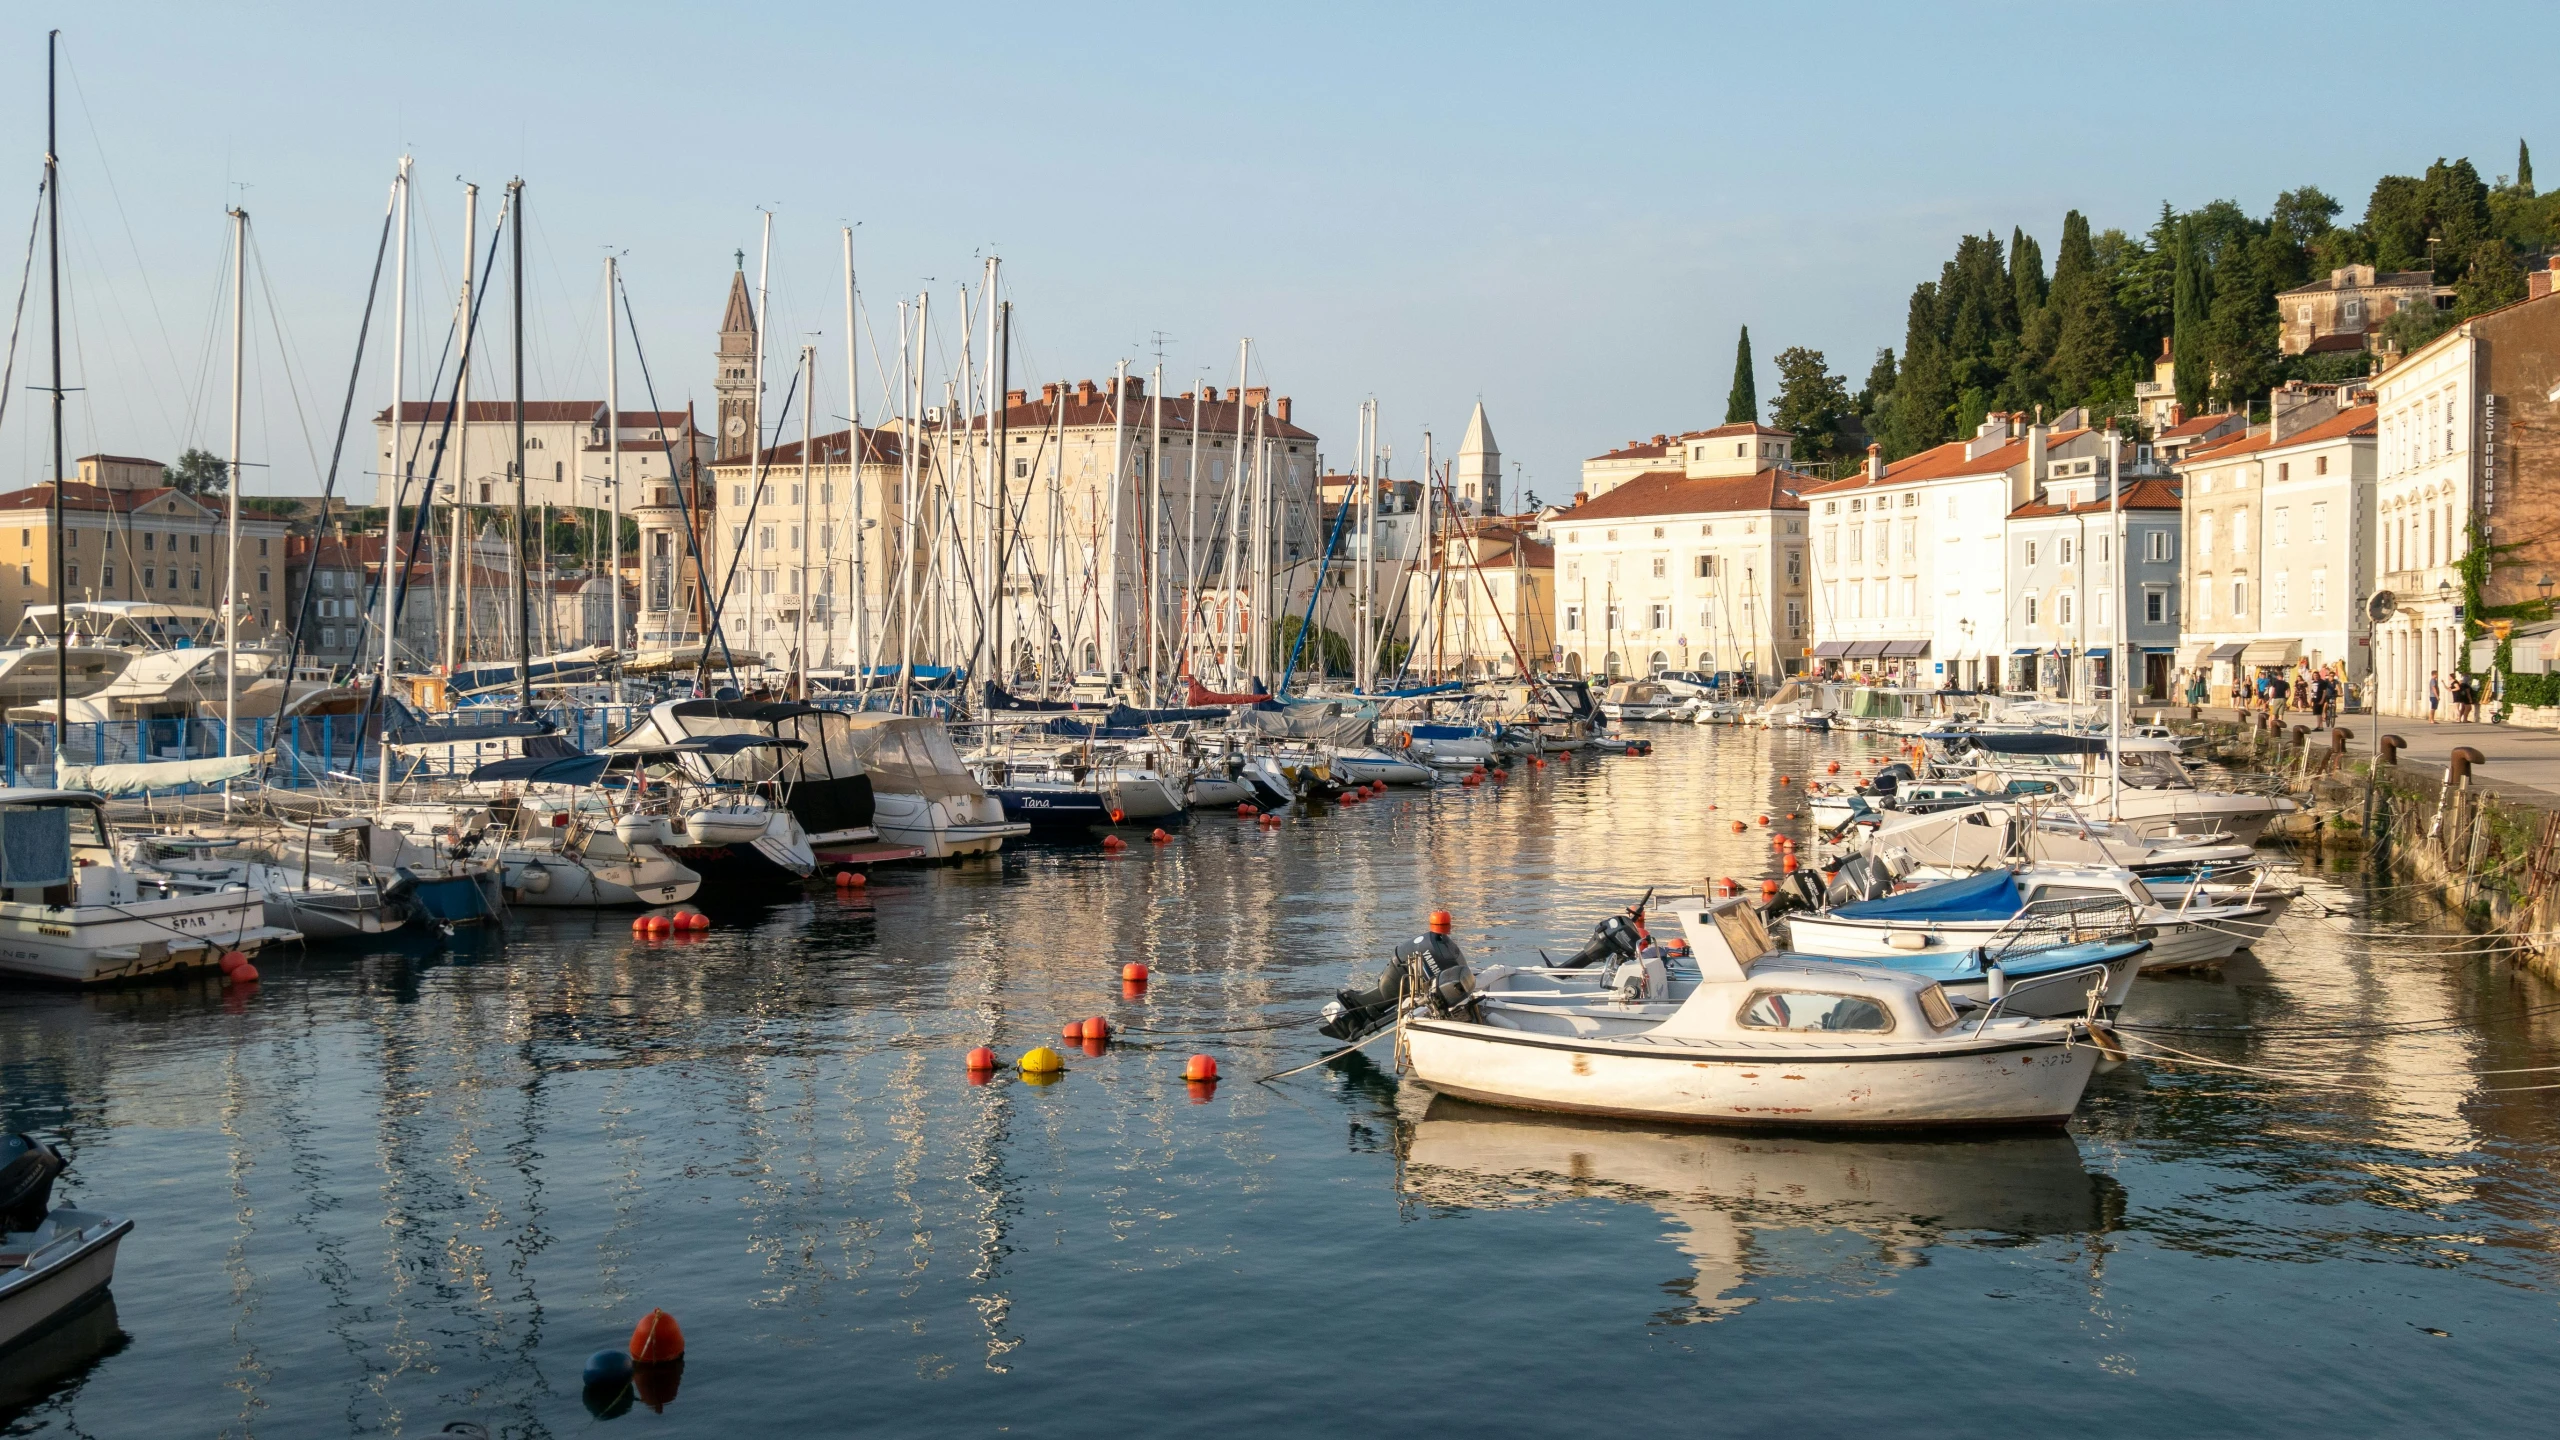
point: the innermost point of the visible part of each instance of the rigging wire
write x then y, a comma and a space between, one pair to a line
26, 272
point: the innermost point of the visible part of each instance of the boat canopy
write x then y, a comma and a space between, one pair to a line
1445, 687
2051, 742
1444, 732
547, 769
1990, 896
910, 755
425, 734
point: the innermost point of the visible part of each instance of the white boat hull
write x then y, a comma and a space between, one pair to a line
95, 944
2032, 1083
1369, 765
556, 881
69, 1261
944, 829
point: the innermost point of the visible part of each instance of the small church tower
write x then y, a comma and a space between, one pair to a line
736, 386
1478, 480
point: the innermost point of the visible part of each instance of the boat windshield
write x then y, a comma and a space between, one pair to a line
1813, 1010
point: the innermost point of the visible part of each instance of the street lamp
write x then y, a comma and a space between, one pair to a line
2444, 591
2544, 585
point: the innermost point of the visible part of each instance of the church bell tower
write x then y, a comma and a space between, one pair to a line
736, 386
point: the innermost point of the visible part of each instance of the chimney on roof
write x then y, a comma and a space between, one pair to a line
1661, 439
1581, 497
1016, 397
1084, 392
1136, 387
1281, 409
1875, 463
1257, 396
2038, 435
1049, 393
1186, 394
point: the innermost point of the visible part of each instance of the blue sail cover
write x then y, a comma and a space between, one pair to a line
1445, 732
1991, 896
1446, 687
1957, 966
2024, 742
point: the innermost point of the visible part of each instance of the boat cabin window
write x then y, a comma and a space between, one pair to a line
1812, 1010
1935, 1007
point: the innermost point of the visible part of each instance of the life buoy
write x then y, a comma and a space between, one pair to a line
1405, 740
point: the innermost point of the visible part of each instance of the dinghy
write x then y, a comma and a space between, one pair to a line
53, 1260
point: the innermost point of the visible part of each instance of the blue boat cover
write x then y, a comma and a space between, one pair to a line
2025, 742
546, 769
1990, 896
1960, 965
1446, 687
1444, 732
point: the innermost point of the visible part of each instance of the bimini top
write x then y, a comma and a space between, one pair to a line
1990, 896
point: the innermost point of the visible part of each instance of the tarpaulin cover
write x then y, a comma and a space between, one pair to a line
1200, 694
2024, 742
545, 770
1992, 896
156, 775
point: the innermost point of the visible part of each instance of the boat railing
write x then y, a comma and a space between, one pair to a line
2095, 973
2064, 920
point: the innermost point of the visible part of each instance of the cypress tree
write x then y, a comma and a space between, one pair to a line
2524, 169
2187, 326
1924, 395
1742, 402
2086, 346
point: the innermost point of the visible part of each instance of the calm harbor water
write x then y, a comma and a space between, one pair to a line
387, 1191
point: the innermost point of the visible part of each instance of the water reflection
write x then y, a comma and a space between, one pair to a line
1747, 1209
50, 1368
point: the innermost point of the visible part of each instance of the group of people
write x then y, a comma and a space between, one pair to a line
2273, 692
2464, 692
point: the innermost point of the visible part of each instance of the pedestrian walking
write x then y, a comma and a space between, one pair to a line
2435, 694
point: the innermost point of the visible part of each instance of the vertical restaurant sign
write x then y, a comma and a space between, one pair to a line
2492, 431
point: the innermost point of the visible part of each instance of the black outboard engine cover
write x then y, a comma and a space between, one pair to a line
27, 1170
1612, 940
1799, 890
1859, 878
1890, 778
1427, 965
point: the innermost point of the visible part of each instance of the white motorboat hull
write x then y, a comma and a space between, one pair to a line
944, 829
1372, 765
555, 881
1141, 795
335, 913
2175, 944
2029, 1083
1217, 792
1452, 754
70, 1260
95, 944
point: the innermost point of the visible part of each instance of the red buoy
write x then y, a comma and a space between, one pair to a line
1500, 776
1073, 1030
656, 1339
243, 974
1245, 809
844, 879
1116, 816
1134, 973
1200, 1067
1097, 1028
1114, 842
983, 1058
1159, 837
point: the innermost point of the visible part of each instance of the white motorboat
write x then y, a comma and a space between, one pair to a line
2143, 786
1959, 838
1952, 916
1638, 700
53, 1260
1760, 1040
1716, 712
1454, 747
1365, 764
923, 795
74, 911
317, 883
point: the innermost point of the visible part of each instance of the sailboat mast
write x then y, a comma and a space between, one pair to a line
457, 575
854, 456
1154, 532
1111, 521
524, 586
613, 457
231, 561
997, 663
53, 283
800, 586
391, 527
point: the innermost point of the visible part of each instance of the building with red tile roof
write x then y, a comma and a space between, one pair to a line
1670, 570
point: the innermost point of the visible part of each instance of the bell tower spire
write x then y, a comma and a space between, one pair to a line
735, 388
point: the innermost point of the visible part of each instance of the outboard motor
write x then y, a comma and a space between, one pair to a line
1429, 967
1890, 778
1611, 940
1859, 878
1799, 890
28, 1168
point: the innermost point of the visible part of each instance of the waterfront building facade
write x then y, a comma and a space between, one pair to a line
1697, 568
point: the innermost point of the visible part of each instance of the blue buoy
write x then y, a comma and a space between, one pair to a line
608, 1367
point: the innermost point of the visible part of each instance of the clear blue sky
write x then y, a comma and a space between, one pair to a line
1565, 211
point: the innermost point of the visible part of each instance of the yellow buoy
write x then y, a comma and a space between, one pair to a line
1042, 1061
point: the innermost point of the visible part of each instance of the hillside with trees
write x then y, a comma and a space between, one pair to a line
1997, 331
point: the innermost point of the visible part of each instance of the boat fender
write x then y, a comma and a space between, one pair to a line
1995, 981
534, 879
1907, 940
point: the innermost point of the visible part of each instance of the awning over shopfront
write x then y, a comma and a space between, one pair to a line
1865, 649
2097, 652
2024, 650
1830, 649
2227, 652
2271, 652
1906, 649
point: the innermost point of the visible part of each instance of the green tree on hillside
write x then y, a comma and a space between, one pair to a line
2489, 281
1742, 402
2087, 345
2187, 342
